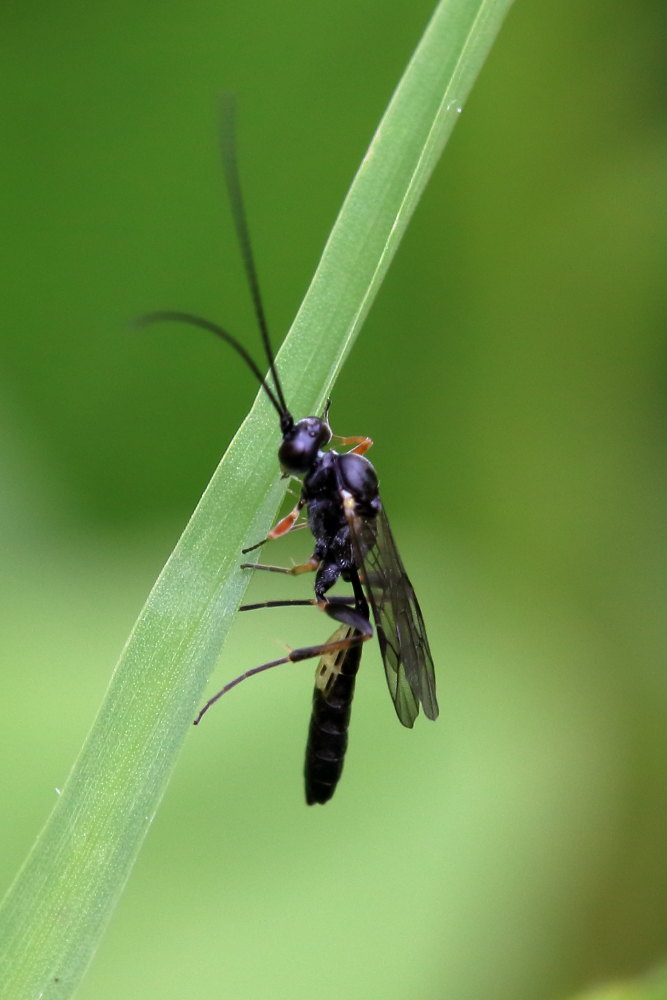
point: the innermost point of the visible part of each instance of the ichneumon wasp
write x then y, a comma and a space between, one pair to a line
353, 542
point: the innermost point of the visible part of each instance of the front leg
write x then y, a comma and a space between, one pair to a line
281, 528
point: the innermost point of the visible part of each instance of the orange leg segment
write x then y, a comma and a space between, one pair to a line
281, 528
286, 524
361, 444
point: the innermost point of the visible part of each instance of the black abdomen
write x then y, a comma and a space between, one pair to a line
327, 734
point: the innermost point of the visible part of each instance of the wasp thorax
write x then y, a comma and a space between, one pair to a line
301, 444
359, 477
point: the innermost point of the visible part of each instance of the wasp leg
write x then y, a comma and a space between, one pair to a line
307, 567
281, 528
310, 602
341, 613
362, 444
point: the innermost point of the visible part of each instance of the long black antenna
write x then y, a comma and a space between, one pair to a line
174, 316
230, 167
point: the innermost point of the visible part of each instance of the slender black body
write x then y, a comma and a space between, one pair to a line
330, 478
353, 543
328, 729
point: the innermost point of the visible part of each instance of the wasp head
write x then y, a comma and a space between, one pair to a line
302, 443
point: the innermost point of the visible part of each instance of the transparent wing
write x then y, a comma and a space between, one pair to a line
408, 663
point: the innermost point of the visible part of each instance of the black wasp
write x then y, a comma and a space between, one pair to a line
353, 541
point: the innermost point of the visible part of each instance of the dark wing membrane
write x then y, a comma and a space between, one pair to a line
408, 663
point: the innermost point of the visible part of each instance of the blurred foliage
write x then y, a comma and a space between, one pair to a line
512, 374
651, 987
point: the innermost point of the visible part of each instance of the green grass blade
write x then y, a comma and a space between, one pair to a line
53, 915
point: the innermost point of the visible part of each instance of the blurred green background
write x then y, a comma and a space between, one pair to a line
512, 373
